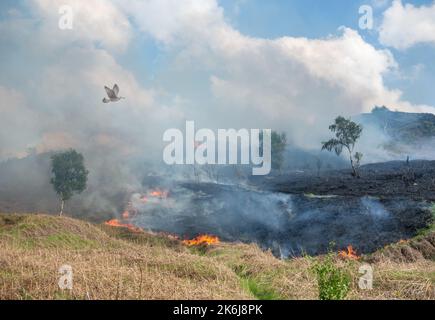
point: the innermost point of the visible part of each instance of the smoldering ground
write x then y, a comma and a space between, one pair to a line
291, 213
287, 224
52, 88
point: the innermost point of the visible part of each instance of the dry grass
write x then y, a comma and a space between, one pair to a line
280, 279
392, 280
293, 279
104, 267
113, 263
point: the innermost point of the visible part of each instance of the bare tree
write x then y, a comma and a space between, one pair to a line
319, 165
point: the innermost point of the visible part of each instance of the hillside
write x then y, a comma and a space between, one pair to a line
402, 127
116, 263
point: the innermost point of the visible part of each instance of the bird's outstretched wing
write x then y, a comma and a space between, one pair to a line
110, 93
116, 89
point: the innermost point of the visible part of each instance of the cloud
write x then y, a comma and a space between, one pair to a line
172, 20
74, 111
58, 103
95, 21
18, 124
291, 81
405, 26
294, 84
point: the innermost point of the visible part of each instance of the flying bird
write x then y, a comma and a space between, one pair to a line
112, 94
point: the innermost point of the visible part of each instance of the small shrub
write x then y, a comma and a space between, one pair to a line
333, 282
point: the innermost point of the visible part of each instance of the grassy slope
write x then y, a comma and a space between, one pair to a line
114, 263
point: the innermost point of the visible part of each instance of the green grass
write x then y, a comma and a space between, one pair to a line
7, 274
62, 239
429, 229
258, 290
68, 240
33, 231
25, 295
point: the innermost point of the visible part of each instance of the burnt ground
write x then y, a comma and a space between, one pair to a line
404, 190
288, 224
298, 212
383, 180
390, 202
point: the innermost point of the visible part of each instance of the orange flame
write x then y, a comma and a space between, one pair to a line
130, 212
159, 193
349, 254
204, 239
118, 224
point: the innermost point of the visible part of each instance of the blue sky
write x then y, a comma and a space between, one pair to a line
312, 19
295, 18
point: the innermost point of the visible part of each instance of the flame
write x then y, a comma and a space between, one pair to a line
157, 193
204, 239
118, 224
349, 254
130, 211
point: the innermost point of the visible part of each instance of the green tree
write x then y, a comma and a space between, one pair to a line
69, 175
278, 145
347, 133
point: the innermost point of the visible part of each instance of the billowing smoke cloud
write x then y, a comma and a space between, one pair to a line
58, 99
289, 81
15, 114
52, 84
286, 83
287, 224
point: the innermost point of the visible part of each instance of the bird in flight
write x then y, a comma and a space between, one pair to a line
112, 94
